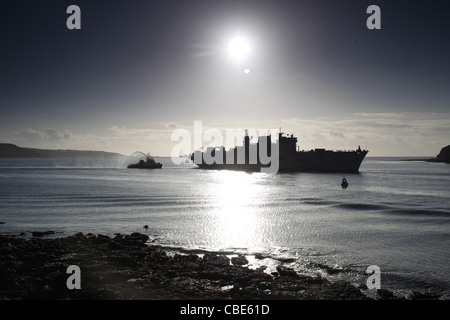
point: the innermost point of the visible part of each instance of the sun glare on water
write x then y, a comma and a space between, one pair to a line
236, 222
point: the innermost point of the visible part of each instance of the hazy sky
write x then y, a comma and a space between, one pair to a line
138, 69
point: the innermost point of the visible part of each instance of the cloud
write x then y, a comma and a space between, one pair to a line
172, 125
337, 134
124, 131
46, 136
29, 135
128, 140
55, 135
397, 134
384, 134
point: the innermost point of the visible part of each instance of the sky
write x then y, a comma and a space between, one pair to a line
137, 70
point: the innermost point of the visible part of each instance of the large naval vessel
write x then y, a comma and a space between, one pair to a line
281, 155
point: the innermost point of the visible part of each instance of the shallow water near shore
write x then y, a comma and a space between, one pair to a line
394, 214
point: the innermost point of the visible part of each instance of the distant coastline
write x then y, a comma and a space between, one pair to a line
443, 156
8, 150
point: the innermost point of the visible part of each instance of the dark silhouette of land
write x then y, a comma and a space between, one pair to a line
8, 150
443, 156
132, 267
128, 267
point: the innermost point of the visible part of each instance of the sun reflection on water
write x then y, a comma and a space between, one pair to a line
236, 220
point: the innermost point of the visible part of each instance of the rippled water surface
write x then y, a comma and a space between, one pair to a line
394, 214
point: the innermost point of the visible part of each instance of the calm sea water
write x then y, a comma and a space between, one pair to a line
394, 214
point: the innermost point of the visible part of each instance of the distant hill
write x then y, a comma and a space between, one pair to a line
443, 156
8, 150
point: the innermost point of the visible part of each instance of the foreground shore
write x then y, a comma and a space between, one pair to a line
126, 267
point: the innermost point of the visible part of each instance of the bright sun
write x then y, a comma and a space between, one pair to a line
238, 48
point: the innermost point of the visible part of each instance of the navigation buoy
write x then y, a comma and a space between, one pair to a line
344, 183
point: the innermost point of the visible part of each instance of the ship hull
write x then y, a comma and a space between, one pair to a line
328, 161
137, 166
332, 162
227, 166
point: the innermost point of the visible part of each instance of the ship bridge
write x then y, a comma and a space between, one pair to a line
287, 144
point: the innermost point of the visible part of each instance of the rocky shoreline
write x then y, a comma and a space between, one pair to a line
128, 267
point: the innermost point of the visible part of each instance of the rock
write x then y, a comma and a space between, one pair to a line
240, 260
286, 272
260, 256
115, 245
41, 233
265, 286
170, 274
101, 239
216, 260
35, 269
444, 155
186, 259
385, 294
139, 237
424, 296
135, 239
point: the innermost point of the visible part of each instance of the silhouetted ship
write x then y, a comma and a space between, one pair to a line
248, 158
149, 163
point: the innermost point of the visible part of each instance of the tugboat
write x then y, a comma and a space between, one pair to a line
344, 183
149, 163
